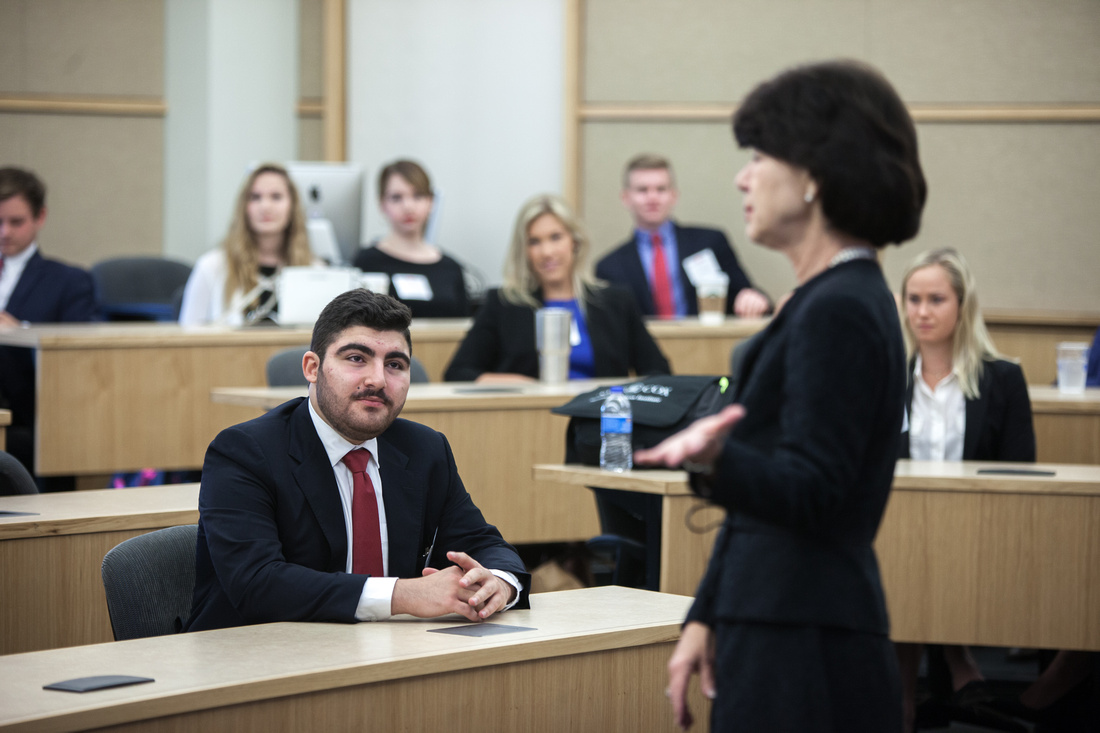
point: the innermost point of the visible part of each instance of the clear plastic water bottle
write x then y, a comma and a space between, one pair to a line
616, 432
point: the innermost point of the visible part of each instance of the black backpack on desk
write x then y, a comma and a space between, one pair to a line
660, 406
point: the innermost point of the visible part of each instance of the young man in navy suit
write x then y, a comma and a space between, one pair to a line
33, 289
290, 523
686, 253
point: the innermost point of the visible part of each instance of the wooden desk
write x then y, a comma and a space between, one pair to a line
1032, 337
51, 594
497, 433
141, 397
593, 660
1067, 427
5, 421
692, 348
966, 558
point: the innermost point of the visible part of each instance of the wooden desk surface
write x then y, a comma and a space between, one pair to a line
1067, 427
104, 510
243, 678
51, 594
966, 557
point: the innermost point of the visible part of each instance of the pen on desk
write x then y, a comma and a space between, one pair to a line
428, 552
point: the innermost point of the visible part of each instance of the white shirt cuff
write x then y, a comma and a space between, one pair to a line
513, 581
376, 600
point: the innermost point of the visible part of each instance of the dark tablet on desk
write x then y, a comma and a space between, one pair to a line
481, 629
1016, 471
99, 682
6, 513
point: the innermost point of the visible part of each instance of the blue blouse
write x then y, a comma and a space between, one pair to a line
582, 360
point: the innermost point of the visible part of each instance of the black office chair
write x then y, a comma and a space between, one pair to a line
139, 288
149, 581
630, 539
284, 368
15, 479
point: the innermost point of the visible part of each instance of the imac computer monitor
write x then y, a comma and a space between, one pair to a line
333, 191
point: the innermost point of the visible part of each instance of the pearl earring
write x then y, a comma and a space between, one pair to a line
809, 197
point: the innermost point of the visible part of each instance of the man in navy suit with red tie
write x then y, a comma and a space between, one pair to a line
33, 289
330, 508
662, 262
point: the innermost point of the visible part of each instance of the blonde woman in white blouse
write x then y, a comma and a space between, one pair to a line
964, 402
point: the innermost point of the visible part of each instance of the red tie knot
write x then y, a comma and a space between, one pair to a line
357, 459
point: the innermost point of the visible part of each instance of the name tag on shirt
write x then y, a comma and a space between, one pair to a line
574, 333
412, 287
701, 266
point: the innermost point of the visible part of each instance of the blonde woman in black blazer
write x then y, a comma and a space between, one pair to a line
964, 402
789, 630
546, 265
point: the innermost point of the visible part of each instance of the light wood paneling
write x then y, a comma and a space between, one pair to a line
1009, 143
1067, 427
68, 47
1035, 344
310, 49
979, 51
104, 181
667, 51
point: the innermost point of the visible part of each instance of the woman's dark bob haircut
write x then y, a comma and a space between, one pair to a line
843, 122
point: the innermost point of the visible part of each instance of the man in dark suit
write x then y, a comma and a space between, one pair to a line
682, 254
33, 289
293, 528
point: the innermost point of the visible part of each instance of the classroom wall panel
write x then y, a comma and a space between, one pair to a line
1019, 202
706, 50
103, 177
82, 47
1015, 196
988, 51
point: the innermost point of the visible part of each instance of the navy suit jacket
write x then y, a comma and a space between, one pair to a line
502, 339
805, 475
624, 267
998, 422
48, 291
272, 543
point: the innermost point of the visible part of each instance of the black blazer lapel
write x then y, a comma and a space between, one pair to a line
975, 417
635, 273
404, 499
316, 481
24, 289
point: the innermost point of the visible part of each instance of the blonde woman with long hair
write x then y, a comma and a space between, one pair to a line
964, 403
546, 265
267, 232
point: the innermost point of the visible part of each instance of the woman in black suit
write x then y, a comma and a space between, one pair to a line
964, 403
546, 267
789, 630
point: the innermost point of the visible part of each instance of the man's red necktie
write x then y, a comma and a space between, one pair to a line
366, 536
662, 288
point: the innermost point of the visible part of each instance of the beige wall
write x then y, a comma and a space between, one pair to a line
1017, 198
103, 172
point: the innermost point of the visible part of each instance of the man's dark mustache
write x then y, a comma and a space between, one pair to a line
379, 393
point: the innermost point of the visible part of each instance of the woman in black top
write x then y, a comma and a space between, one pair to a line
421, 276
789, 629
